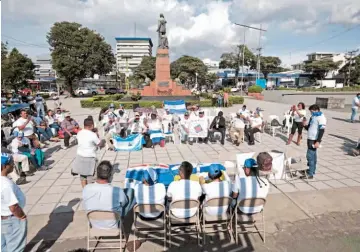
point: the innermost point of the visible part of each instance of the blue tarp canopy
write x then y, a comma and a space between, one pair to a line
13, 108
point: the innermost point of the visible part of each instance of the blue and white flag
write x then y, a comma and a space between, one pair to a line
175, 107
131, 143
156, 136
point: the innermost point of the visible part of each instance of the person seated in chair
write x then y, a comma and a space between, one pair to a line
102, 196
43, 129
184, 128
59, 116
70, 128
150, 192
237, 129
215, 186
136, 125
218, 125
250, 186
203, 118
255, 126
111, 127
52, 122
154, 127
184, 189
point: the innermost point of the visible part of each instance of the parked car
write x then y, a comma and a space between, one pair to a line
49, 92
85, 91
115, 91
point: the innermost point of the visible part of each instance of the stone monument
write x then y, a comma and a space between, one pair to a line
163, 85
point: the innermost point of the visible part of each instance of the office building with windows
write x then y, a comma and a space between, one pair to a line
130, 51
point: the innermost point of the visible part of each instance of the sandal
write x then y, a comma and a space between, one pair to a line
130, 245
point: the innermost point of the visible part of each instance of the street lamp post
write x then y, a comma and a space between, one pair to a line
196, 83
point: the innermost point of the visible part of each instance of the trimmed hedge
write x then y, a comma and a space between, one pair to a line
236, 99
344, 89
255, 89
92, 103
114, 97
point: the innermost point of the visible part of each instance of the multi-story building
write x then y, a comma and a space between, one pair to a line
130, 51
299, 66
43, 67
320, 55
335, 57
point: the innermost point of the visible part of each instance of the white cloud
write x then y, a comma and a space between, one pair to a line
202, 28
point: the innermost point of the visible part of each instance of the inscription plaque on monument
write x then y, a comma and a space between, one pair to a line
163, 84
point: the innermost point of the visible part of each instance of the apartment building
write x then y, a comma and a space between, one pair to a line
43, 67
130, 51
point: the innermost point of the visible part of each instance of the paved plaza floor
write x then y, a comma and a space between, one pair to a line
57, 193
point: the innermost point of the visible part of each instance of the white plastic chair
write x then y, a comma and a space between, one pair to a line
273, 128
288, 124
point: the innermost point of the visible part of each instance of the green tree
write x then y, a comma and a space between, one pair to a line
186, 67
319, 68
16, 68
78, 52
234, 60
210, 78
270, 64
146, 68
354, 71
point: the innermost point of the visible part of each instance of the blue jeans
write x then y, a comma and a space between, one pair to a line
56, 127
13, 234
46, 133
353, 114
40, 110
311, 157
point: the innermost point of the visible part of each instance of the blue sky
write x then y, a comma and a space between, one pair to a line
201, 28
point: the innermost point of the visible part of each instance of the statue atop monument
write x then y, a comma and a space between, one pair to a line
163, 42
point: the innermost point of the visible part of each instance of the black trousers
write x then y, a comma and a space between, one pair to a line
297, 126
249, 133
221, 130
67, 139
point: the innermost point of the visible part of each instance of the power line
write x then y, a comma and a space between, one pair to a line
24, 42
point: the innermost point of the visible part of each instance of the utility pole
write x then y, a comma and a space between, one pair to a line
135, 29
254, 28
351, 53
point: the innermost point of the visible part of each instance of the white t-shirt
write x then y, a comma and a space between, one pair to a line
11, 194
154, 194
60, 117
204, 119
87, 143
355, 100
112, 128
185, 122
154, 124
248, 187
50, 119
216, 190
298, 118
137, 127
29, 128
15, 143
181, 190
238, 123
255, 121
167, 117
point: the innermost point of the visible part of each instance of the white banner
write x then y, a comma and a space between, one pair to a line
198, 128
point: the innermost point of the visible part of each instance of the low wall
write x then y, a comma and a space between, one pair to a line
293, 97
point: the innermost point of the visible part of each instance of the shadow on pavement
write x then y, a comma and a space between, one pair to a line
348, 144
341, 119
59, 220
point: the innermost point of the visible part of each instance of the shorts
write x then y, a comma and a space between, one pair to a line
84, 177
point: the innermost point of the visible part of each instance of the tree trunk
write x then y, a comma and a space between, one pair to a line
69, 87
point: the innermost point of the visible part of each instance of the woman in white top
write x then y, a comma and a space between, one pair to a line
52, 121
299, 114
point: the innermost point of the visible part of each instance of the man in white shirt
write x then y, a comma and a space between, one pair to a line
85, 160
111, 127
136, 124
27, 125
154, 123
102, 196
244, 112
355, 107
215, 187
237, 129
184, 127
250, 186
150, 192
256, 124
203, 118
184, 189
59, 116
13, 217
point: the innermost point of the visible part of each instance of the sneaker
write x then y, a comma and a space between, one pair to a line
21, 181
43, 168
64, 147
29, 174
308, 177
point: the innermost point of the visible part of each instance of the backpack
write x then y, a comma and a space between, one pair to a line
264, 161
275, 122
148, 141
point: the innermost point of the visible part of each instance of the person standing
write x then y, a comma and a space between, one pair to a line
299, 114
85, 161
226, 99
355, 107
13, 218
316, 130
39, 104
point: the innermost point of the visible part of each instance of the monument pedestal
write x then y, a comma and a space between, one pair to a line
163, 85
